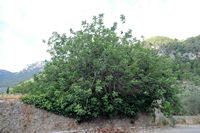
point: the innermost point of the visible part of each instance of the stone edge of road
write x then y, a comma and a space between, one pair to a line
139, 129
93, 130
187, 125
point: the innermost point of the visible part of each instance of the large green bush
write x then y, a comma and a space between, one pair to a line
102, 72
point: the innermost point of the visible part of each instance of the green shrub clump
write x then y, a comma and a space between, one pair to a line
102, 72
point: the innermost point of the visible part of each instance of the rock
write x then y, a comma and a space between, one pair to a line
161, 120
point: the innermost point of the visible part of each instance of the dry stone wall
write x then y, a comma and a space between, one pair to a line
16, 117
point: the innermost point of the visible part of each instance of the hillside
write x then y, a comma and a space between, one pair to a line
9, 79
186, 56
188, 49
5, 76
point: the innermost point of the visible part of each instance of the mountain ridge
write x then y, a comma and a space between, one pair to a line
10, 79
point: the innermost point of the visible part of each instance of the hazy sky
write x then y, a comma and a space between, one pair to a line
24, 23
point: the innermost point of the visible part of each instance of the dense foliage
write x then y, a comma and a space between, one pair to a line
102, 72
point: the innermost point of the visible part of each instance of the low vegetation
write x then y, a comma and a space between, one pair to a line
10, 97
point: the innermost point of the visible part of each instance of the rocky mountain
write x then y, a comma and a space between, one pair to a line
9, 79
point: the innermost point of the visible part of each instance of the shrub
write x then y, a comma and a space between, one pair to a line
23, 88
190, 104
98, 72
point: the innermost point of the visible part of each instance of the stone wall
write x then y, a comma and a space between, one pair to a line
16, 117
187, 120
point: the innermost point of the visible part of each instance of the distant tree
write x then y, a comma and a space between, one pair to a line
159, 40
196, 66
192, 44
8, 90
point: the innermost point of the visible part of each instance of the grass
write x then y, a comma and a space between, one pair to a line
10, 96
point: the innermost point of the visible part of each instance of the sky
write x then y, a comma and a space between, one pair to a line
25, 23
